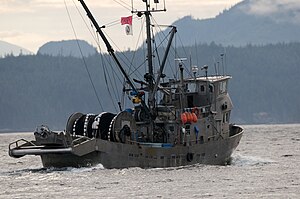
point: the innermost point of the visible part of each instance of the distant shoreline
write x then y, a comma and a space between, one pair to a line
16, 132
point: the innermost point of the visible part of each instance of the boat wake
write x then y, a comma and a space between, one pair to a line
55, 170
240, 160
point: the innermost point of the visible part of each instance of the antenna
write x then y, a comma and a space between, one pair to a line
195, 70
225, 59
215, 65
151, 8
180, 62
205, 67
222, 58
181, 96
196, 45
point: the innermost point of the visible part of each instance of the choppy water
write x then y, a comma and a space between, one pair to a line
265, 165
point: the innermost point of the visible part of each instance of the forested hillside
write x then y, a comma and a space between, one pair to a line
41, 89
67, 48
248, 22
11, 49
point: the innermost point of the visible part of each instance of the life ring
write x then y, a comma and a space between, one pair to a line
196, 111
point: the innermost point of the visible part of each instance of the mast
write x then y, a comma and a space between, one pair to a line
150, 75
153, 83
173, 31
108, 46
112, 52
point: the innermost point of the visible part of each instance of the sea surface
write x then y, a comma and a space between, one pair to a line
266, 164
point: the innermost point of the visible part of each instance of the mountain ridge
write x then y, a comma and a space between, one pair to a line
7, 48
239, 25
40, 89
67, 48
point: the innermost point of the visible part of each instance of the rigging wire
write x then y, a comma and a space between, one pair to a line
176, 53
123, 4
105, 76
137, 43
106, 83
164, 40
96, 39
136, 69
166, 37
184, 49
156, 48
122, 58
115, 83
130, 66
104, 73
86, 24
125, 61
87, 70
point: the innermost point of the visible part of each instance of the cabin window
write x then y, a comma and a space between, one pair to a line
192, 88
211, 88
202, 88
223, 87
226, 117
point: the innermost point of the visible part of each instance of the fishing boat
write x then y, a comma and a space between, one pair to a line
188, 123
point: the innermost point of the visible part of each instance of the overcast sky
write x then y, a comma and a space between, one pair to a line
31, 23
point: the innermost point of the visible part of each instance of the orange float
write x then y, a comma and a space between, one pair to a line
196, 111
184, 118
189, 117
195, 118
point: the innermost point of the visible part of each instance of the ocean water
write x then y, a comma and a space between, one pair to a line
266, 164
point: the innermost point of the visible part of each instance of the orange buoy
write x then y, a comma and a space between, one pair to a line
196, 111
195, 118
184, 118
189, 117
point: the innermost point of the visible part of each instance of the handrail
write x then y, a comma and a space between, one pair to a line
17, 145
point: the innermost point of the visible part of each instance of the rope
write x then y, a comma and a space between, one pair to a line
123, 4
91, 81
96, 39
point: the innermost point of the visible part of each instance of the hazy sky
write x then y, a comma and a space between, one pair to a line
31, 23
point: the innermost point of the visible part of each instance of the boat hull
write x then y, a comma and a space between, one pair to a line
118, 155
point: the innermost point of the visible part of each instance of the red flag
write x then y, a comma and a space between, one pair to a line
126, 20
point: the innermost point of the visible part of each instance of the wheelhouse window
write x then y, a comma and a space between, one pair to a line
202, 89
192, 87
211, 88
223, 87
226, 117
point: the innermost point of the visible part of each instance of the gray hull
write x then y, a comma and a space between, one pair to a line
118, 155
